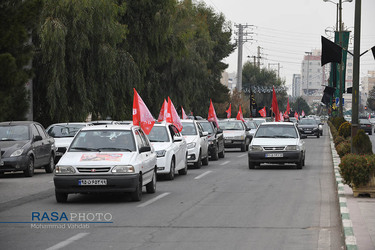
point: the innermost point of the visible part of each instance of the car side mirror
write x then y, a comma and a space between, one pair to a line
144, 149
219, 131
37, 138
248, 129
205, 133
177, 138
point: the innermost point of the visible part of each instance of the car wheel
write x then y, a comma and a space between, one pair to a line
29, 171
205, 161
215, 154
51, 165
318, 136
184, 170
251, 165
61, 197
222, 153
151, 186
370, 132
198, 164
243, 147
170, 175
300, 164
137, 194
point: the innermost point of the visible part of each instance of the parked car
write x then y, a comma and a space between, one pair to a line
63, 133
215, 139
235, 134
25, 146
309, 127
197, 142
277, 142
366, 125
107, 158
171, 150
253, 126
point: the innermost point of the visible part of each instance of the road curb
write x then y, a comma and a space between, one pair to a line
347, 225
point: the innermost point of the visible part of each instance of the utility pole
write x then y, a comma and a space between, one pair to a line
242, 38
307, 75
258, 57
341, 76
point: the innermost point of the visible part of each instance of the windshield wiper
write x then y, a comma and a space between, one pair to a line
85, 149
285, 136
115, 149
7, 139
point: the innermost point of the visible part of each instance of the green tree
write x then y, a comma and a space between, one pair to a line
17, 20
300, 104
371, 99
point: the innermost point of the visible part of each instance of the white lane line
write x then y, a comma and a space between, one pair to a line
50, 182
153, 200
200, 176
68, 241
224, 163
241, 155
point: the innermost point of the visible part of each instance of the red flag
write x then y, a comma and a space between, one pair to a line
275, 106
281, 116
239, 115
212, 114
287, 108
229, 111
369, 116
183, 114
303, 113
296, 115
263, 112
163, 112
141, 115
172, 116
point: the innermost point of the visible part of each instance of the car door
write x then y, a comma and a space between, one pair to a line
203, 140
46, 145
37, 146
179, 147
147, 157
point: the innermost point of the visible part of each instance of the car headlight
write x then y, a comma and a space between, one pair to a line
124, 169
241, 137
160, 153
191, 145
292, 147
18, 152
255, 148
64, 170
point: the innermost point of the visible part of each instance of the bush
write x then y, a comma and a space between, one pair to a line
337, 121
338, 139
355, 169
343, 148
345, 129
362, 143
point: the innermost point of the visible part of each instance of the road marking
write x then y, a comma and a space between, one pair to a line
200, 176
224, 163
68, 241
241, 155
153, 200
50, 182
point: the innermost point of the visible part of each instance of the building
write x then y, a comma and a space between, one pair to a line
296, 85
368, 83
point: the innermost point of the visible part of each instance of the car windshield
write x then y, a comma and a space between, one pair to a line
231, 125
207, 127
276, 131
307, 122
158, 134
14, 133
103, 140
364, 121
188, 129
251, 125
60, 130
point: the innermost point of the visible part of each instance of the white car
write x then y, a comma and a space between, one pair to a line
277, 142
236, 134
107, 158
197, 142
64, 134
170, 149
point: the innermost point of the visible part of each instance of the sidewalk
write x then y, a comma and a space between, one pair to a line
357, 214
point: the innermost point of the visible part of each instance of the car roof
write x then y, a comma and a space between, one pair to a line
17, 123
109, 127
277, 123
72, 123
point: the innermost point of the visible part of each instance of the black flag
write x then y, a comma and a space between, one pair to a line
328, 93
331, 52
373, 51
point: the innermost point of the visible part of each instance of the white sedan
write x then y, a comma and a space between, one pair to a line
170, 149
277, 142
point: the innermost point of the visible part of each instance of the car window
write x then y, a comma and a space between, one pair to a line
103, 140
307, 122
189, 129
68, 130
145, 141
34, 131
174, 131
251, 125
14, 133
231, 125
276, 132
207, 127
158, 134
41, 131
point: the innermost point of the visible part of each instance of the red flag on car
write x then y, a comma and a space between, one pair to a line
183, 114
240, 115
263, 112
303, 114
163, 112
296, 115
229, 111
141, 115
281, 117
287, 108
212, 114
172, 116
275, 106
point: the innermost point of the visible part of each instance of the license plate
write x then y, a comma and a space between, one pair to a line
308, 131
228, 141
274, 155
92, 182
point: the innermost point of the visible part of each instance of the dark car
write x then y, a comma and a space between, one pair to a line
366, 125
215, 139
25, 145
309, 127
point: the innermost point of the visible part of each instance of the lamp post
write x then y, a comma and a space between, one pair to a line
307, 75
339, 27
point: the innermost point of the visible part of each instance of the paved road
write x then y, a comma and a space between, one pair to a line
221, 206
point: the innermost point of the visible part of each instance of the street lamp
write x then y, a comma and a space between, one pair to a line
339, 24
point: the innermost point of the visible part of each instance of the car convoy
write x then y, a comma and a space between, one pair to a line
119, 157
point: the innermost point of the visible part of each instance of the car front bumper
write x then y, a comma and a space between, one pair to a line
115, 183
193, 154
18, 163
265, 157
310, 132
233, 143
163, 167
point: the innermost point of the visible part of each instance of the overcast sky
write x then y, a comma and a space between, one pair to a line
286, 29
